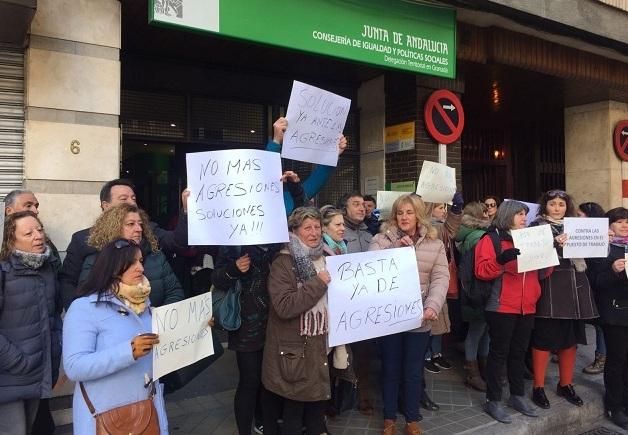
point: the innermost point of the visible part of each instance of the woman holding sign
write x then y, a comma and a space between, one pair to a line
566, 301
107, 340
509, 310
295, 369
403, 353
608, 277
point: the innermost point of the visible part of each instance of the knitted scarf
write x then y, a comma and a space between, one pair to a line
134, 296
339, 248
314, 321
622, 242
33, 260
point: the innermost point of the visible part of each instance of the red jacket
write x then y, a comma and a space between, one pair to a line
512, 292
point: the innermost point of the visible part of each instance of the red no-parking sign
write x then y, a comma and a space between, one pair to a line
620, 140
444, 116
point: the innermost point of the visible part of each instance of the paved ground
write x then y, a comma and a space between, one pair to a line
205, 406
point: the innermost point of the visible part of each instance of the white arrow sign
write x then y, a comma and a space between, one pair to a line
450, 107
624, 133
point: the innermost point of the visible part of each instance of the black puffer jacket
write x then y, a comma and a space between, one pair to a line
30, 330
611, 289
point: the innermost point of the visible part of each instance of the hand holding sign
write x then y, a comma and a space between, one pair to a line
316, 119
536, 246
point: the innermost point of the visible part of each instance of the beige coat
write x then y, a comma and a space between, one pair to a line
431, 262
294, 367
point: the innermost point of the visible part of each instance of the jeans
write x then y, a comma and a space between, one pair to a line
402, 367
246, 401
434, 346
16, 418
477, 340
600, 344
616, 367
510, 336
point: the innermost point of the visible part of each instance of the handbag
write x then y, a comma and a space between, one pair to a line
226, 306
138, 418
453, 291
179, 378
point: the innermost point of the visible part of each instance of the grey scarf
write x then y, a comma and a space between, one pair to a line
315, 321
32, 260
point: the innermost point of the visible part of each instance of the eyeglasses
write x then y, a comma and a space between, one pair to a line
493, 205
557, 193
123, 243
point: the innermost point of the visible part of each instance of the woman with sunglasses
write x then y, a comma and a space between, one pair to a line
131, 223
107, 338
30, 322
491, 202
566, 301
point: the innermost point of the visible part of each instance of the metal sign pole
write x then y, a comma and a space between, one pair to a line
442, 153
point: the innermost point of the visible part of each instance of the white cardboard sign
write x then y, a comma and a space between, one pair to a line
437, 182
385, 201
587, 237
537, 248
184, 335
316, 120
372, 294
236, 198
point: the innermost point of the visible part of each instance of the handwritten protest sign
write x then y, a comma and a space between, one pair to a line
236, 198
437, 183
537, 248
385, 201
532, 214
588, 237
316, 120
372, 294
184, 335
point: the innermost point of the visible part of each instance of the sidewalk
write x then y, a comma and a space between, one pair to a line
206, 406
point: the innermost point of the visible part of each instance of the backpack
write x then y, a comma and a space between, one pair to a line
474, 291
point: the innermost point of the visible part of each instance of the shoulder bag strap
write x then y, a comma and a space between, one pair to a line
88, 402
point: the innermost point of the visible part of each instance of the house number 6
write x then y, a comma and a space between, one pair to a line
75, 146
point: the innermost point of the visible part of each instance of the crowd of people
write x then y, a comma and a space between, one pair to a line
290, 380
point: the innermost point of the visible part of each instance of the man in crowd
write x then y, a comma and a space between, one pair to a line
113, 193
358, 239
372, 215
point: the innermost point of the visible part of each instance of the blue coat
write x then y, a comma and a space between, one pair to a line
311, 186
97, 351
30, 330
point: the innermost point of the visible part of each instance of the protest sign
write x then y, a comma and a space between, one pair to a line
316, 120
236, 198
385, 201
532, 214
372, 294
537, 248
587, 237
184, 335
437, 183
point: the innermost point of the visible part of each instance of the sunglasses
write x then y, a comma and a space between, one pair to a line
493, 205
557, 193
123, 243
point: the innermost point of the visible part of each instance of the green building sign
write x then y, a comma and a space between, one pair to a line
390, 33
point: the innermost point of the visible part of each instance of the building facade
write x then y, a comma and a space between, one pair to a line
94, 90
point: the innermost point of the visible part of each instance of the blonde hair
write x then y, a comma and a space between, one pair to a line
108, 227
300, 214
420, 210
328, 213
475, 209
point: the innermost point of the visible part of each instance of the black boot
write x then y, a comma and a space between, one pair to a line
569, 394
618, 417
426, 403
539, 398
